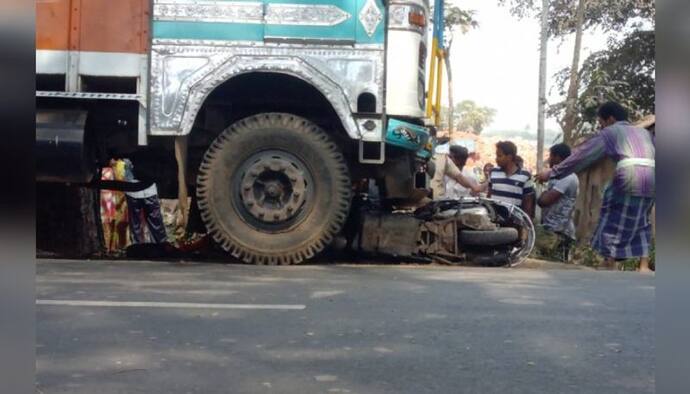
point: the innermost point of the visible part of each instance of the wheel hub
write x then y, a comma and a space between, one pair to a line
273, 188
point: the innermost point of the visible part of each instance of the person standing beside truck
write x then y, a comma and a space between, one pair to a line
624, 230
144, 209
450, 165
454, 190
114, 209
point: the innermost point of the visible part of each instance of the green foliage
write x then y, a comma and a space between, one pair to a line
624, 73
608, 15
455, 18
585, 255
472, 117
548, 245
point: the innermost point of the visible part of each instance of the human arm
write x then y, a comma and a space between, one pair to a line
528, 204
582, 157
528, 198
557, 189
468, 182
549, 198
484, 187
451, 170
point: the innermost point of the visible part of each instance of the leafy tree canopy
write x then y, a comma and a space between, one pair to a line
472, 117
624, 73
458, 18
609, 15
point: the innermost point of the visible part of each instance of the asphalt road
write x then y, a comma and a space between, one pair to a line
155, 327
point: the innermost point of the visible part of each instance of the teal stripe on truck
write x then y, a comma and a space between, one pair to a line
208, 31
349, 30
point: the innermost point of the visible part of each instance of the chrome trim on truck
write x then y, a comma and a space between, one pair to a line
249, 12
305, 15
185, 72
209, 11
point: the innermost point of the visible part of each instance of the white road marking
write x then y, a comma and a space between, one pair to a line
147, 304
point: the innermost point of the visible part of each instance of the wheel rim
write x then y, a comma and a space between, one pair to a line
274, 190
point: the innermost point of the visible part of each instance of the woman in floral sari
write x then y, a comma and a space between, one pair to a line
114, 210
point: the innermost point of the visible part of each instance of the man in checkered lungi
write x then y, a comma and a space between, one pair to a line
624, 230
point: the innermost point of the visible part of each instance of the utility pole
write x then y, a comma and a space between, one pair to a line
542, 83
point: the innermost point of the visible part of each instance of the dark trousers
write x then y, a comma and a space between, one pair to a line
564, 246
146, 210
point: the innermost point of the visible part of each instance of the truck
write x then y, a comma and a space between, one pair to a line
274, 113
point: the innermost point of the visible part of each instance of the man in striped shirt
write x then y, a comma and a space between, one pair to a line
509, 182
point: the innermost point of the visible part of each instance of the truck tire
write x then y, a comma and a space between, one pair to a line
273, 189
500, 236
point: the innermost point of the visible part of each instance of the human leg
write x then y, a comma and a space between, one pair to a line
108, 235
121, 229
154, 219
136, 209
564, 247
644, 264
624, 230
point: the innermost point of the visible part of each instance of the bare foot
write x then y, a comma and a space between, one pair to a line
644, 266
645, 270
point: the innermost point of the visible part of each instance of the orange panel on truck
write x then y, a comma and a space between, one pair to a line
52, 24
93, 25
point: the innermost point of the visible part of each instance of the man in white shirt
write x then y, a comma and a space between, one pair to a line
449, 166
455, 190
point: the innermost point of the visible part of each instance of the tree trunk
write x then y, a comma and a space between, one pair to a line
544, 38
569, 119
449, 73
